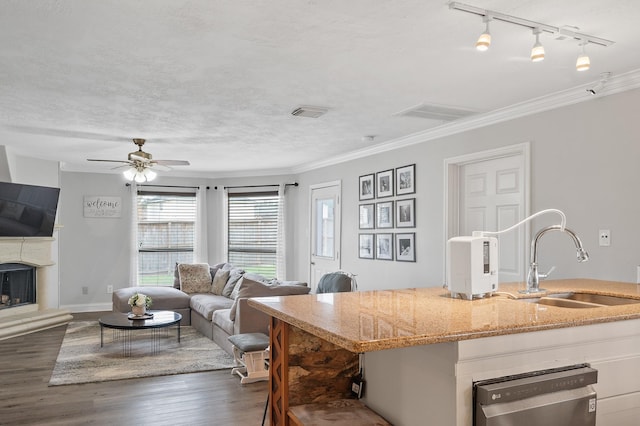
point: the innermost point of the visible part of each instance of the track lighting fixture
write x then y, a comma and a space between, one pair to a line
604, 77
537, 51
583, 63
484, 41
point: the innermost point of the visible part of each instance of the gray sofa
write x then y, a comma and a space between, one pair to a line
213, 299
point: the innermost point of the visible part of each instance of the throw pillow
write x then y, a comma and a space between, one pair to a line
234, 278
219, 281
251, 288
194, 277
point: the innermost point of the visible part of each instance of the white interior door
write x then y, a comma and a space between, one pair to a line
492, 198
489, 190
325, 231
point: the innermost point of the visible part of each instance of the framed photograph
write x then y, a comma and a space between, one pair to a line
406, 180
384, 246
384, 215
406, 247
367, 187
365, 246
406, 213
384, 183
367, 215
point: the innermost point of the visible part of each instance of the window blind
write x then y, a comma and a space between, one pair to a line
253, 231
166, 235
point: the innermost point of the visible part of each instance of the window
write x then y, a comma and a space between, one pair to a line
253, 232
166, 235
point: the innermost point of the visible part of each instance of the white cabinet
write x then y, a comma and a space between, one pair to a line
433, 383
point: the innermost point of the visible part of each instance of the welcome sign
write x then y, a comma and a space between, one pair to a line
102, 206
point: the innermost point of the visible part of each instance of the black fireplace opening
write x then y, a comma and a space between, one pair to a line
17, 285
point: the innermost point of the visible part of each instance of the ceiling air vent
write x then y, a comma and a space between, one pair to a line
436, 112
309, 111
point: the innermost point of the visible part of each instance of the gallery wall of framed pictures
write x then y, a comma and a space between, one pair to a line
386, 205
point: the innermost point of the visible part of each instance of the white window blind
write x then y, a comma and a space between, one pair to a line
166, 235
253, 232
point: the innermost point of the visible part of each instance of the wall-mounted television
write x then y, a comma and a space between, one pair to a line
27, 210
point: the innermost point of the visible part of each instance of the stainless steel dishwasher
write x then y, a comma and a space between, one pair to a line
555, 397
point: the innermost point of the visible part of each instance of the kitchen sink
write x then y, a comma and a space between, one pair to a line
581, 300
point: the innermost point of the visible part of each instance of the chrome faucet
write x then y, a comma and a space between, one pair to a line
534, 277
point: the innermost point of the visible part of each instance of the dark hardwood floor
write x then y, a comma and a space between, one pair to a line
210, 398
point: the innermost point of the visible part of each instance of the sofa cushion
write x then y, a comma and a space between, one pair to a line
250, 276
221, 319
162, 298
219, 281
206, 304
251, 288
194, 277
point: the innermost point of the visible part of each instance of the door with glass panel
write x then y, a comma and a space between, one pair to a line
325, 230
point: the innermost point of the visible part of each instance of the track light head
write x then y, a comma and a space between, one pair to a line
604, 77
583, 63
537, 51
484, 41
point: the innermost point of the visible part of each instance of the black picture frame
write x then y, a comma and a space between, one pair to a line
384, 246
366, 216
406, 180
384, 215
406, 213
366, 187
366, 246
405, 246
384, 184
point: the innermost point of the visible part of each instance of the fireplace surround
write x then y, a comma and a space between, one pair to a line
21, 317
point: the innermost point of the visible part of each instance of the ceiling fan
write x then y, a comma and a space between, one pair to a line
140, 164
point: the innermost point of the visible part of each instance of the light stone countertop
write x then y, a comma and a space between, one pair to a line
386, 319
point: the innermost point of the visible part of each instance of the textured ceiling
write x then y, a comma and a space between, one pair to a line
214, 82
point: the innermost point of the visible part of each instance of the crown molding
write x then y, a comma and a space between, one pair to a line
615, 84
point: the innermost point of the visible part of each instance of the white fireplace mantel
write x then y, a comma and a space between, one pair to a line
33, 251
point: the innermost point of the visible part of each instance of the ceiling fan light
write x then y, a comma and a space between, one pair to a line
130, 174
140, 177
149, 174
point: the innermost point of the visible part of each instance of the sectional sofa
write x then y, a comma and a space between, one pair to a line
213, 299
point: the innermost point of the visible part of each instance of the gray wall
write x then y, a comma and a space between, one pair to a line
584, 161
95, 252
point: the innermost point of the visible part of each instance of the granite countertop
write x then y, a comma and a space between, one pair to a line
385, 319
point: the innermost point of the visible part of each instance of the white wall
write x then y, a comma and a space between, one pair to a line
584, 159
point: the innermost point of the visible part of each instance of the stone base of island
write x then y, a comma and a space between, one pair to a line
424, 349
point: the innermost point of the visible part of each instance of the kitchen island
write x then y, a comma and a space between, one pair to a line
424, 349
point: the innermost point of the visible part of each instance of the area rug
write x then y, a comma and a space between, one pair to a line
82, 360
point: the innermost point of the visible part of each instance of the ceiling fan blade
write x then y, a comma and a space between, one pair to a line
171, 162
120, 167
109, 161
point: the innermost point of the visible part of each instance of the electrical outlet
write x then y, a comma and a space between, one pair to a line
85, 290
604, 237
109, 289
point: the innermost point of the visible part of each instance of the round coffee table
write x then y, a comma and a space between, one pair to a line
121, 321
